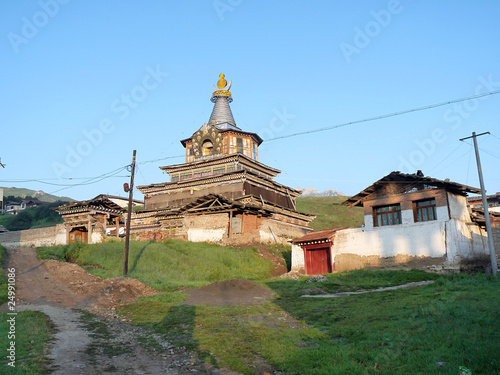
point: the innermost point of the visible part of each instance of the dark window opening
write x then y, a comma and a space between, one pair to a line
239, 144
388, 215
425, 210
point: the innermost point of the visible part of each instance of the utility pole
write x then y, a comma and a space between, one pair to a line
494, 267
129, 216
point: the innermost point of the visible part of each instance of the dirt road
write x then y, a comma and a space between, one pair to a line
89, 344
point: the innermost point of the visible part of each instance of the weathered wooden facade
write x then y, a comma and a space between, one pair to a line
87, 221
222, 180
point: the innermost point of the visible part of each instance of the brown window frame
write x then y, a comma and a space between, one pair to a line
390, 213
429, 210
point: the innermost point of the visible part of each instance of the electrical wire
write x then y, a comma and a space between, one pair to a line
418, 109
160, 159
93, 180
490, 153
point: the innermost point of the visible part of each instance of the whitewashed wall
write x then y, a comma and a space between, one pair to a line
49, 236
298, 259
96, 237
206, 235
422, 239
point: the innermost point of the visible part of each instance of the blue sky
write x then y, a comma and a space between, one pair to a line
86, 82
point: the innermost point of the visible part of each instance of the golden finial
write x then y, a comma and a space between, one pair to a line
222, 89
222, 82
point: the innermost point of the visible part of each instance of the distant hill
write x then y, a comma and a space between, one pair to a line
312, 192
330, 213
38, 195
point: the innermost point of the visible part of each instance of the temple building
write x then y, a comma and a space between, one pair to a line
222, 192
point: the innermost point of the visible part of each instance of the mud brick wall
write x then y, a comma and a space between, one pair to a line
272, 231
251, 222
406, 200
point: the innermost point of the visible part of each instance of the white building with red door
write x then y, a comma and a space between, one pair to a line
409, 220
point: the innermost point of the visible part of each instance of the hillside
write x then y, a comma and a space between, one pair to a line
38, 195
330, 213
35, 217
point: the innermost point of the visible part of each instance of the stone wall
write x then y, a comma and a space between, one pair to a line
50, 236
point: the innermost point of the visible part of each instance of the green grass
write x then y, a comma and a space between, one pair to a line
455, 320
3, 278
166, 265
329, 212
33, 331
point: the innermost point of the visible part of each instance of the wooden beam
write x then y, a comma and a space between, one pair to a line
230, 222
291, 200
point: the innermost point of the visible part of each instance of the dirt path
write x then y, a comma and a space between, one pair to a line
347, 294
86, 344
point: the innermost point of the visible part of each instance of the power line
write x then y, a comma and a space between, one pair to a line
490, 153
386, 115
95, 179
160, 159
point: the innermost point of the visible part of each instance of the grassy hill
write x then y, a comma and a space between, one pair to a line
35, 217
330, 213
38, 195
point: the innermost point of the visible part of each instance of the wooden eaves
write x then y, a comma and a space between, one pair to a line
414, 179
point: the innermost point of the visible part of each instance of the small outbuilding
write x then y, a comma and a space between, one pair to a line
408, 219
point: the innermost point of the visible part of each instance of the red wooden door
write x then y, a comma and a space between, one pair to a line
318, 261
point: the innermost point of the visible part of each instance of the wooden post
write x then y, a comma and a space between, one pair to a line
117, 221
230, 223
89, 230
129, 216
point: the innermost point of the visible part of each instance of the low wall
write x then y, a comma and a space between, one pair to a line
417, 245
50, 236
274, 231
210, 228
